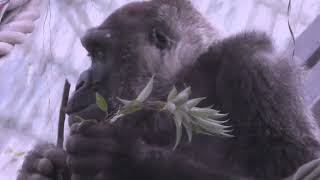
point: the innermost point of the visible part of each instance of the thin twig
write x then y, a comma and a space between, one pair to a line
290, 29
62, 116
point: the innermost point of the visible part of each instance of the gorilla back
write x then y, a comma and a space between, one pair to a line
241, 75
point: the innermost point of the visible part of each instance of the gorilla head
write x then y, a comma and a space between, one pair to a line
137, 41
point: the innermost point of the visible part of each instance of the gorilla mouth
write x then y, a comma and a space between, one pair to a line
89, 112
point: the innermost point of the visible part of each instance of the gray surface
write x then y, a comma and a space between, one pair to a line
308, 43
308, 51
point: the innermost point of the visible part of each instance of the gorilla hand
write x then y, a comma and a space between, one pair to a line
309, 171
43, 162
100, 151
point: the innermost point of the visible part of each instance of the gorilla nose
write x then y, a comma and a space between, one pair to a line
68, 109
96, 38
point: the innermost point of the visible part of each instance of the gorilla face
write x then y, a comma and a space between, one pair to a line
135, 42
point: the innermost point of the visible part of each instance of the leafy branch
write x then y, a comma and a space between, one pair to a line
184, 111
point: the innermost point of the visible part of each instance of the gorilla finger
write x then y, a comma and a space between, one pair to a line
99, 176
31, 176
38, 177
30, 162
39, 165
57, 156
39, 149
306, 169
45, 166
83, 145
315, 174
77, 127
88, 165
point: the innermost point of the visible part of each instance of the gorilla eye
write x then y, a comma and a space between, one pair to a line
160, 39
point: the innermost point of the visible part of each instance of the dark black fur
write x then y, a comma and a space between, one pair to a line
241, 75
316, 109
272, 131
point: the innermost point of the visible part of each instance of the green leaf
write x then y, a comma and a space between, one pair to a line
214, 131
178, 122
173, 93
218, 116
212, 124
206, 112
170, 107
124, 101
132, 107
199, 130
187, 125
145, 93
182, 97
194, 102
101, 103
115, 118
209, 119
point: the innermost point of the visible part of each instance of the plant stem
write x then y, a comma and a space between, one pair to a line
153, 105
148, 105
62, 116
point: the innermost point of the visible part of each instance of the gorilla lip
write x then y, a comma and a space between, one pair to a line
69, 110
89, 112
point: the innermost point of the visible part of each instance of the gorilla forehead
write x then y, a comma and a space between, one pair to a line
133, 16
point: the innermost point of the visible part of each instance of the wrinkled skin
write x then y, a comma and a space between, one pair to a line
240, 75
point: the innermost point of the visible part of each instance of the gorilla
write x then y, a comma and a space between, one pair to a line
275, 135
316, 109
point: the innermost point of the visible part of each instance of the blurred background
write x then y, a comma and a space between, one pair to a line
32, 75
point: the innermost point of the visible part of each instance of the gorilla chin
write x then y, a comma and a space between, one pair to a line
242, 75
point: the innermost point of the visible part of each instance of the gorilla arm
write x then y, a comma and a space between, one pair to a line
101, 151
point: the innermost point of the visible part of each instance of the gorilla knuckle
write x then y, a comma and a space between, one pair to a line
31, 176
102, 175
57, 156
38, 177
89, 165
79, 144
45, 166
22, 175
